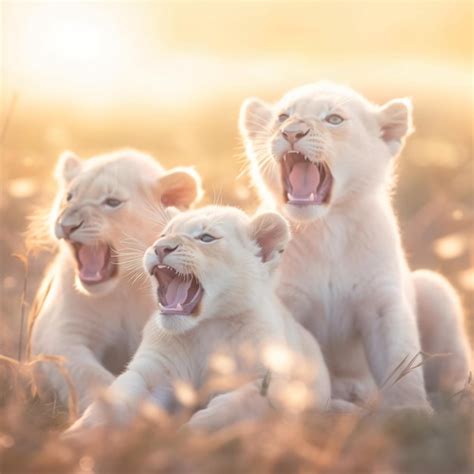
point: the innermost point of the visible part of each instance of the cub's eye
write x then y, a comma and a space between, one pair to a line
68, 196
206, 238
283, 117
112, 202
334, 119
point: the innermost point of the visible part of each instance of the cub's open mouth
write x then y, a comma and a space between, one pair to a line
94, 262
178, 294
304, 182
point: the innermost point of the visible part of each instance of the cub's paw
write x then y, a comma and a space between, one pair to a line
351, 390
343, 406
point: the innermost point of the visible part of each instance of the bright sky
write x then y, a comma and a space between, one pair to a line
96, 52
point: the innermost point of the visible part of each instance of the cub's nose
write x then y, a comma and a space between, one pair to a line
69, 229
162, 250
294, 132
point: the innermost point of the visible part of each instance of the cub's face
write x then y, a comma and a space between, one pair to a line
106, 202
213, 262
321, 146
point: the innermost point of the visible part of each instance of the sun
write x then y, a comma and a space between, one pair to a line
74, 44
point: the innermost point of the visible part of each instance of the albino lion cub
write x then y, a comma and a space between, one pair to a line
323, 156
90, 313
212, 270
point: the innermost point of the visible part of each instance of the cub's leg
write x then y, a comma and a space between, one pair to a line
121, 403
244, 403
440, 323
390, 336
86, 374
144, 373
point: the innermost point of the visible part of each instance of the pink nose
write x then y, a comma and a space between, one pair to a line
162, 250
69, 229
295, 132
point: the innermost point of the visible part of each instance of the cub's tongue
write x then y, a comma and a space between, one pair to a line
177, 292
92, 260
304, 179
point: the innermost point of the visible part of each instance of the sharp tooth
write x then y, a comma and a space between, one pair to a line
311, 197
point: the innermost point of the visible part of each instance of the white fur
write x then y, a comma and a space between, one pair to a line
97, 328
345, 275
240, 319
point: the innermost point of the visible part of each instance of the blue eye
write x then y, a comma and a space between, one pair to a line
112, 202
207, 238
334, 119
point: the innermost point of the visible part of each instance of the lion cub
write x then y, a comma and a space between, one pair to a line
323, 155
88, 312
212, 270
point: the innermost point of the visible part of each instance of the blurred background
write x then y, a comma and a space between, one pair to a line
168, 78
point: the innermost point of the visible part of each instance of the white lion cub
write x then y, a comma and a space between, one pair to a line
88, 311
212, 270
323, 156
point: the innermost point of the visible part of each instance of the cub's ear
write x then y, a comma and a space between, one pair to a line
272, 233
396, 122
254, 117
69, 165
180, 187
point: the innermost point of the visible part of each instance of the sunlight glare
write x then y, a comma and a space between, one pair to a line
69, 46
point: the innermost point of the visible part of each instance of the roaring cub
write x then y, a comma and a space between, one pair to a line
89, 311
212, 271
323, 156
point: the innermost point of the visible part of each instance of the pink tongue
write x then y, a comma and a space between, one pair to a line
304, 179
177, 292
92, 259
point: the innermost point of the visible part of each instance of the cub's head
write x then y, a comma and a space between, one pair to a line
321, 146
107, 200
213, 262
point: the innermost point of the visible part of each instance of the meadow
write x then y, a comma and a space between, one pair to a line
182, 107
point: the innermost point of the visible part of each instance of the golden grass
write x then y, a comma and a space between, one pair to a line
402, 441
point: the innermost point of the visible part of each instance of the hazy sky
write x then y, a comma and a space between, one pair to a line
98, 51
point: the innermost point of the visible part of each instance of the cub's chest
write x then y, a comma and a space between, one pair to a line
319, 281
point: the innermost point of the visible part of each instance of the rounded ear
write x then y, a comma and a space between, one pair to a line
69, 165
179, 187
254, 117
396, 122
272, 233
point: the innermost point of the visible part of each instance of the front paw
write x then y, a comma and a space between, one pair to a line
351, 390
81, 430
202, 420
97, 415
343, 406
423, 409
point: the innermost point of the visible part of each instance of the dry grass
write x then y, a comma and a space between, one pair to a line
402, 441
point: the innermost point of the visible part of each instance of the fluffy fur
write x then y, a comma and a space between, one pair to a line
345, 275
239, 318
95, 323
